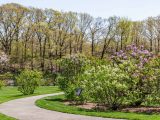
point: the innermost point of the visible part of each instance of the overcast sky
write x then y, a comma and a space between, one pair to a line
133, 9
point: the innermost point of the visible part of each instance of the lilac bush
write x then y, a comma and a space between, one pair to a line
131, 78
107, 85
137, 54
136, 61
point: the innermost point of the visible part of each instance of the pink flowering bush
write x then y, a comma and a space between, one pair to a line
3, 58
136, 61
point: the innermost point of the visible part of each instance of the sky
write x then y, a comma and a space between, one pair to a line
132, 9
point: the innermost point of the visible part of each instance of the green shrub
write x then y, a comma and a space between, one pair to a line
7, 76
70, 94
2, 83
70, 68
106, 85
68, 80
28, 81
49, 79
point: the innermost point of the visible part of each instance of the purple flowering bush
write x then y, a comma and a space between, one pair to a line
136, 62
131, 77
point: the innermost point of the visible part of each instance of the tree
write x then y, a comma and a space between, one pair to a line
109, 33
124, 29
84, 22
149, 31
96, 29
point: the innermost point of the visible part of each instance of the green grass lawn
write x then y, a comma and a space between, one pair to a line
55, 103
10, 93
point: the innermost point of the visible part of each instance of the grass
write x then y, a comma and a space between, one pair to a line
55, 103
4, 117
10, 93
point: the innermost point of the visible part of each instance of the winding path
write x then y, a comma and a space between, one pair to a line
25, 109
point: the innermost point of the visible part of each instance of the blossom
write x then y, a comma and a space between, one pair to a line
136, 54
3, 58
133, 54
145, 52
145, 60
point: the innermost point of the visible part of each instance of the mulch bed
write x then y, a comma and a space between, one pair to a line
148, 110
141, 109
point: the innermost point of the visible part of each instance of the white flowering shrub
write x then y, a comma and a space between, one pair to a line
106, 85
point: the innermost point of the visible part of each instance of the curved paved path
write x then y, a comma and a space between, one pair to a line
25, 109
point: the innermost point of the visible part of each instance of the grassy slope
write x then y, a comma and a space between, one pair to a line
10, 93
54, 103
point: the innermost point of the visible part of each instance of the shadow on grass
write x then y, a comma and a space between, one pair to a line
20, 95
55, 99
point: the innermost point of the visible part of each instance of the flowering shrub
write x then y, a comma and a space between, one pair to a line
106, 85
155, 96
136, 62
3, 58
132, 78
71, 68
139, 56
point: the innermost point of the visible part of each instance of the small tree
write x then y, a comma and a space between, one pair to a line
28, 81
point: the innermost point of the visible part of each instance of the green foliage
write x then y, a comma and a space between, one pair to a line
154, 98
106, 85
2, 83
132, 78
49, 79
71, 68
6, 76
138, 63
28, 81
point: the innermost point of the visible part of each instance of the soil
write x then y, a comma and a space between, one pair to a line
148, 110
88, 106
141, 109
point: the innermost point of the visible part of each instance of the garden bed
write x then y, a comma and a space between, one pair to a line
57, 103
94, 106
147, 110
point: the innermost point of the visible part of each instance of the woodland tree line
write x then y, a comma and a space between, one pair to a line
35, 38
